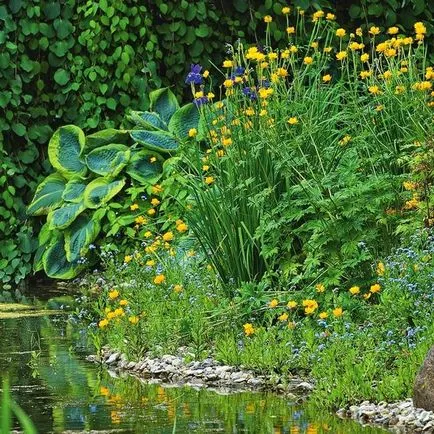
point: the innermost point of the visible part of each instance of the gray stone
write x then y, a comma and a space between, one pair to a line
423, 390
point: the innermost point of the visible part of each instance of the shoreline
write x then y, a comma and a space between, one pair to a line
172, 370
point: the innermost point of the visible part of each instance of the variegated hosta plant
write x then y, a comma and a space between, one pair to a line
91, 173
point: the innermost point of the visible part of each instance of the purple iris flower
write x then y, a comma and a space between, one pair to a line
239, 70
250, 92
200, 101
194, 76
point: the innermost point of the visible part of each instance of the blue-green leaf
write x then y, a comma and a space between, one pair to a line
55, 263
64, 151
164, 102
108, 160
101, 190
48, 195
79, 235
155, 140
184, 119
74, 190
62, 217
106, 137
143, 168
147, 120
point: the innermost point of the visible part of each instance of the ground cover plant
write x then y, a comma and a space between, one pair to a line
305, 244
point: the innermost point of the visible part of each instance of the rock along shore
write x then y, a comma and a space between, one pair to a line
206, 373
401, 417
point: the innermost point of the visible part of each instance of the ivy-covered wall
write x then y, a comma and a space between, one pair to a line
84, 62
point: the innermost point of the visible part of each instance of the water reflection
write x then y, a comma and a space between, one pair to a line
61, 392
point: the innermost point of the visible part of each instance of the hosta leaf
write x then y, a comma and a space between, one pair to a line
38, 263
148, 120
106, 137
64, 151
55, 263
164, 102
79, 235
155, 140
100, 191
74, 190
62, 217
183, 120
108, 160
48, 195
142, 169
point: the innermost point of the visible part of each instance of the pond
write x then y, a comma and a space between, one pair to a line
62, 392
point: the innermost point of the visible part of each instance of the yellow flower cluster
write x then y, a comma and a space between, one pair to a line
114, 313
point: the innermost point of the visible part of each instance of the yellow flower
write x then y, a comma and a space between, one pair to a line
103, 323
374, 30
273, 303
367, 296
345, 140
340, 33
182, 227
422, 85
375, 288
341, 55
113, 294
308, 60
227, 141
134, 206
381, 269
354, 290
205, 74
150, 262
155, 202
140, 220
159, 279
198, 94
323, 315
209, 180
248, 329
291, 325
328, 49
290, 30
293, 49
393, 30
228, 83
364, 57
379, 108
374, 90
178, 288
123, 302
387, 75
286, 10
330, 17
311, 304
268, 19
147, 234
292, 121
119, 312
156, 189
168, 236
210, 95
128, 258
111, 315
153, 159
192, 132
151, 211
228, 64
338, 312
409, 185
399, 90
326, 78
292, 304
282, 72
283, 317
320, 287
419, 28
317, 15
133, 319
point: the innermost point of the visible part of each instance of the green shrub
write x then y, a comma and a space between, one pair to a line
92, 170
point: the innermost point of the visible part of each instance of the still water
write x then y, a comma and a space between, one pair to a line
62, 393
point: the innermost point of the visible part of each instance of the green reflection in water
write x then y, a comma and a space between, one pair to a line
60, 391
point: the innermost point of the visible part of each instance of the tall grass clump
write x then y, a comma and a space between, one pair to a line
302, 179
